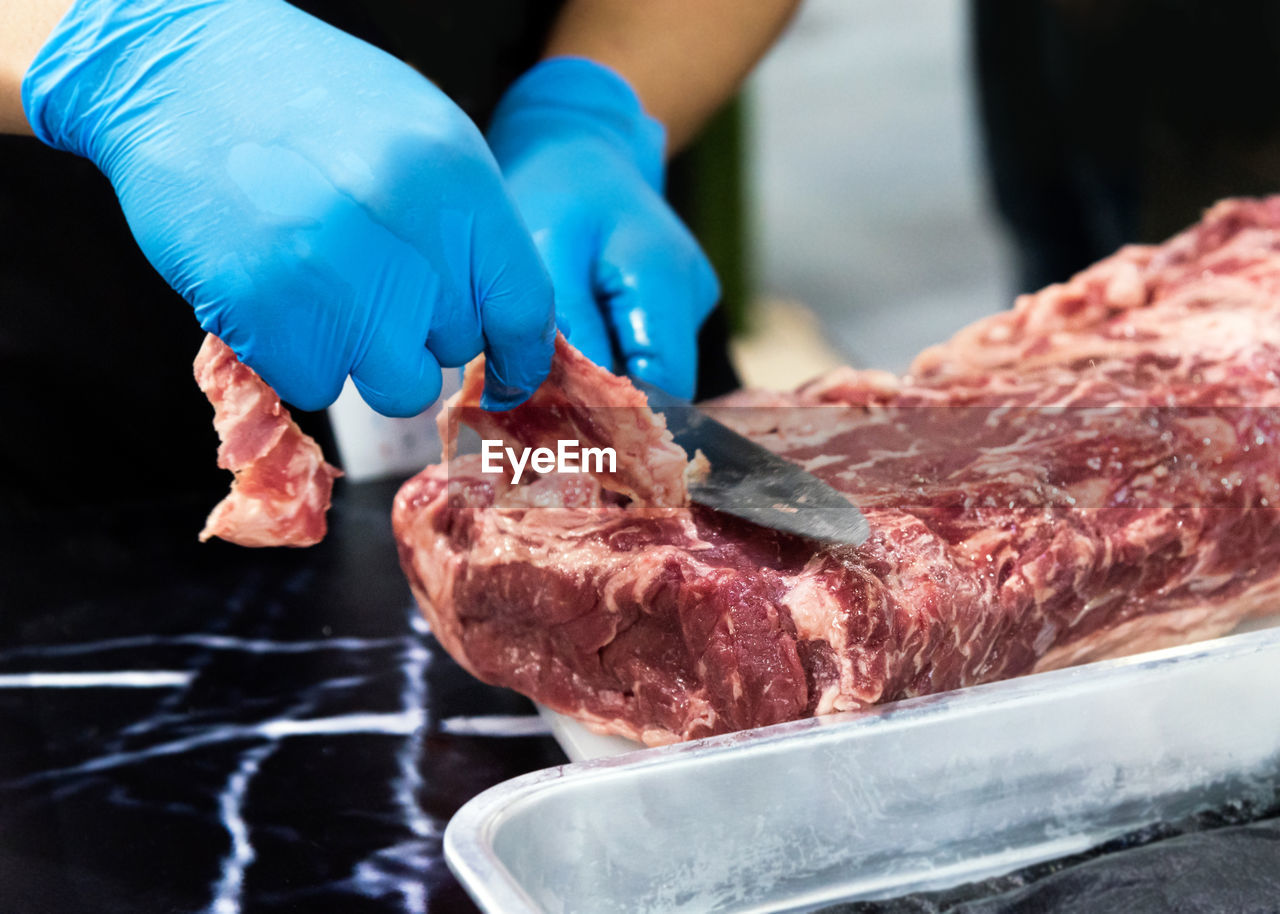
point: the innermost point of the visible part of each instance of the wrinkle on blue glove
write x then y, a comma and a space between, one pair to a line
584, 163
324, 208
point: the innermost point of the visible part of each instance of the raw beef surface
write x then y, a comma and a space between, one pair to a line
282, 483
1091, 474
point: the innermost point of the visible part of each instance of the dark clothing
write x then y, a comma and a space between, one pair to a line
97, 401
471, 50
1116, 121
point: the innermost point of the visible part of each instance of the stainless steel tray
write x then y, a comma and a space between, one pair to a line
921, 794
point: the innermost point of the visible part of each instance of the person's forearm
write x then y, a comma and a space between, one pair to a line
24, 26
683, 57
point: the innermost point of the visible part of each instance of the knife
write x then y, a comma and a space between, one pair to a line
749, 481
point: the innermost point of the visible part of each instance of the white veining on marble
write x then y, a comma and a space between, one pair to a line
398, 723
126, 679
227, 895
402, 867
394, 723
183, 720
202, 640
385, 870
414, 700
496, 725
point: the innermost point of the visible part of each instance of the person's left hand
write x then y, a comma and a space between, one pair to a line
585, 166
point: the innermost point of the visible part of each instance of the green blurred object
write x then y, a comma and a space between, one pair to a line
707, 186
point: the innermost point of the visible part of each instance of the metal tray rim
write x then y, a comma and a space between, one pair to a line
468, 837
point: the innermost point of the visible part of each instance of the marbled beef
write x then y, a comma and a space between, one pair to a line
282, 482
1090, 474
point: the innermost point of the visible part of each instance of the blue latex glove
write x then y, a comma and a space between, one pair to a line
585, 165
322, 206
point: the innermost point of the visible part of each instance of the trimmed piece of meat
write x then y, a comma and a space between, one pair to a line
282, 483
580, 401
1092, 474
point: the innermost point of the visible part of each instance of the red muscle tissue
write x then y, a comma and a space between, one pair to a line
1093, 473
282, 483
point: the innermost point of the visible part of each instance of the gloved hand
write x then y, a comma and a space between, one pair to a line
322, 206
585, 165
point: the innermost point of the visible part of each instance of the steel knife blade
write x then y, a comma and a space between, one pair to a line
749, 481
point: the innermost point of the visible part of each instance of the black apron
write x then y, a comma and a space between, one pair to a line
1114, 121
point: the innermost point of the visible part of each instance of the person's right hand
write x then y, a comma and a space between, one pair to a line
584, 162
324, 208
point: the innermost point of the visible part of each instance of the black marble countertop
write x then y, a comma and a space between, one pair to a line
201, 727
190, 727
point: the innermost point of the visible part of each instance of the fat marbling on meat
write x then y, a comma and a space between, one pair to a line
1090, 474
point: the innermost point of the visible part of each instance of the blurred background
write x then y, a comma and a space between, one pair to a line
871, 231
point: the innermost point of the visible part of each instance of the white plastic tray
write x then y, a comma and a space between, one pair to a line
922, 794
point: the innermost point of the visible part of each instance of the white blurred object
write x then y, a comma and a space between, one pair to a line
373, 446
580, 743
784, 346
867, 178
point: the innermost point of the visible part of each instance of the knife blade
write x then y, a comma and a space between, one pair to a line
749, 481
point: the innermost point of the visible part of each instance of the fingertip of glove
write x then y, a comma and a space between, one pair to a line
501, 401
409, 399
512, 375
655, 371
306, 394
403, 405
595, 346
499, 396
308, 403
